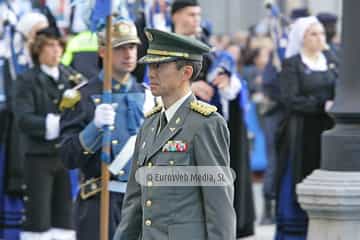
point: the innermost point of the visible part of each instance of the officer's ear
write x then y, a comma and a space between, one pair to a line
187, 72
102, 51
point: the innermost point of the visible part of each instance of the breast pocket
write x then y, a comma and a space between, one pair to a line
173, 159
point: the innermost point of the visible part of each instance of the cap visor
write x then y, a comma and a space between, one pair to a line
156, 59
121, 43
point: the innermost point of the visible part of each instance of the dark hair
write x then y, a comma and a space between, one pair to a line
180, 4
196, 66
39, 42
250, 55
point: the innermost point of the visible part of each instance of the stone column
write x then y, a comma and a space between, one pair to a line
331, 195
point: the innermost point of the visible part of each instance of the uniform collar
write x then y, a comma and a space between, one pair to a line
116, 86
319, 65
170, 112
53, 72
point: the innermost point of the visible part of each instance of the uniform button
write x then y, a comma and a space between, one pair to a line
78, 75
114, 142
149, 183
122, 172
97, 100
112, 128
148, 203
117, 86
61, 86
23, 218
23, 187
148, 222
26, 198
55, 101
171, 162
150, 164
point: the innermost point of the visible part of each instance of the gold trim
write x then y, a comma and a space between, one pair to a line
168, 53
84, 194
155, 109
152, 59
202, 107
149, 36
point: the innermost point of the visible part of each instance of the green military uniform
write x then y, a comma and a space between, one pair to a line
172, 212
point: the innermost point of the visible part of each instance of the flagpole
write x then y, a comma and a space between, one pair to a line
105, 175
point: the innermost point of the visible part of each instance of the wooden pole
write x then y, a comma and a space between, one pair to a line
105, 175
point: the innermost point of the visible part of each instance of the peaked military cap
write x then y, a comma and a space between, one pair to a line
327, 18
299, 12
123, 32
168, 47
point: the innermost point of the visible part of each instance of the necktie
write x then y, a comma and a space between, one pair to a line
163, 122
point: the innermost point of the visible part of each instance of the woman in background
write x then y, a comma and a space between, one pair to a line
38, 93
307, 86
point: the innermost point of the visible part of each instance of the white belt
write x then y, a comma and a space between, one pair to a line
116, 186
123, 157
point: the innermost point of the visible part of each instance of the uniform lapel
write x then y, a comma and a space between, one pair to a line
172, 128
152, 133
149, 139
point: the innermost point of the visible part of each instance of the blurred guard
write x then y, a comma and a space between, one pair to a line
329, 20
38, 94
82, 124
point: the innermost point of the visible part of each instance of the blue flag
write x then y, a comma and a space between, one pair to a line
101, 9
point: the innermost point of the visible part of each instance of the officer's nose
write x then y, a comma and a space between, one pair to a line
152, 71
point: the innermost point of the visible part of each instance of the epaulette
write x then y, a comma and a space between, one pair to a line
70, 98
155, 109
202, 107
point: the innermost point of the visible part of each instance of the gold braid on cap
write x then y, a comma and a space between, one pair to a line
168, 53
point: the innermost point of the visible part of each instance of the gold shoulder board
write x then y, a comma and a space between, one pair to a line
202, 107
153, 111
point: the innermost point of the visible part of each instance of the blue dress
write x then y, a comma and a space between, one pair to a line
292, 220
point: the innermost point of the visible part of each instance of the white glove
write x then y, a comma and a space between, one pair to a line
104, 115
328, 105
52, 126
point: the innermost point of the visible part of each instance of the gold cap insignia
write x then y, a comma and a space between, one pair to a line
124, 28
149, 36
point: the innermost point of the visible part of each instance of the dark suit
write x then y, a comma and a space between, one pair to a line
48, 197
172, 212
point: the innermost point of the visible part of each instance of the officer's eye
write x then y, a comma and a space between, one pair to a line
155, 65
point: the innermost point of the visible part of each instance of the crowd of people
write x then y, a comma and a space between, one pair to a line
258, 101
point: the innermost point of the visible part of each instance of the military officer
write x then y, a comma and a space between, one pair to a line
182, 132
81, 130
